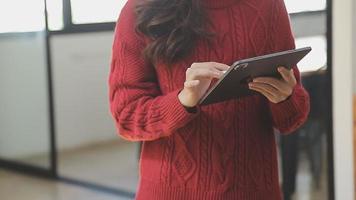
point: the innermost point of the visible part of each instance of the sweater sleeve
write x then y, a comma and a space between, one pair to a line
140, 111
290, 114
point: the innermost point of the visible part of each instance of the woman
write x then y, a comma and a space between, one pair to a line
166, 54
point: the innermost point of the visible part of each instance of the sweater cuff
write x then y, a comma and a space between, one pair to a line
288, 109
174, 113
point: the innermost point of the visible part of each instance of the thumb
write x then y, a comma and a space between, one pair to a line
286, 74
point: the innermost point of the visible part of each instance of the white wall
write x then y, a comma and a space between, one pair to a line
342, 99
81, 64
24, 100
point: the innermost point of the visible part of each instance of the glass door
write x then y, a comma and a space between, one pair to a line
24, 108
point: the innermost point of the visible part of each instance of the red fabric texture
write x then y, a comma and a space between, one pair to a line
223, 151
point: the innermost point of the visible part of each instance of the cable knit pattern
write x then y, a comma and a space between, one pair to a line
224, 151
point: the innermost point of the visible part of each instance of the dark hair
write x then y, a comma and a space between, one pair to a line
173, 27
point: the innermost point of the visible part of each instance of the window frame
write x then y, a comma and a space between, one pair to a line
69, 27
298, 20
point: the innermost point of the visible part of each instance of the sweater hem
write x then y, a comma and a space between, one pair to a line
154, 191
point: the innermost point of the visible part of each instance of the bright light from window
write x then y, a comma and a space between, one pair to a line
317, 57
295, 6
28, 16
85, 12
22, 16
55, 14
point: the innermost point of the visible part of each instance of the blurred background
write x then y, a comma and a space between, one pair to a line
56, 144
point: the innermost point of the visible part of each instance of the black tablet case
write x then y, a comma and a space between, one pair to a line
234, 83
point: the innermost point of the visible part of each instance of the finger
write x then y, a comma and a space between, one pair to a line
260, 89
219, 66
277, 95
266, 87
286, 74
191, 84
281, 85
198, 70
264, 93
212, 65
198, 73
278, 84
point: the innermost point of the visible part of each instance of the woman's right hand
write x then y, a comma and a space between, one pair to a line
198, 79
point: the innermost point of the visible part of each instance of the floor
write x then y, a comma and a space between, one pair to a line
112, 164
109, 164
305, 188
20, 187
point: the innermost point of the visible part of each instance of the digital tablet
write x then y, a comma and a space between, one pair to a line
234, 83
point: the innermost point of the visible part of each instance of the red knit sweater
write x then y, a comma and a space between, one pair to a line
225, 151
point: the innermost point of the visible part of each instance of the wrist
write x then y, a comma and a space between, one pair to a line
185, 99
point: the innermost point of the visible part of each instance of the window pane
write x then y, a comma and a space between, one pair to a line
317, 57
55, 14
95, 11
24, 123
21, 16
295, 6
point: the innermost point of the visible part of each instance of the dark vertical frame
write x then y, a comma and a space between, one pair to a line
67, 14
330, 149
51, 114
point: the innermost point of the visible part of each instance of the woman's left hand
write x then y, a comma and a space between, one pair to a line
276, 90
